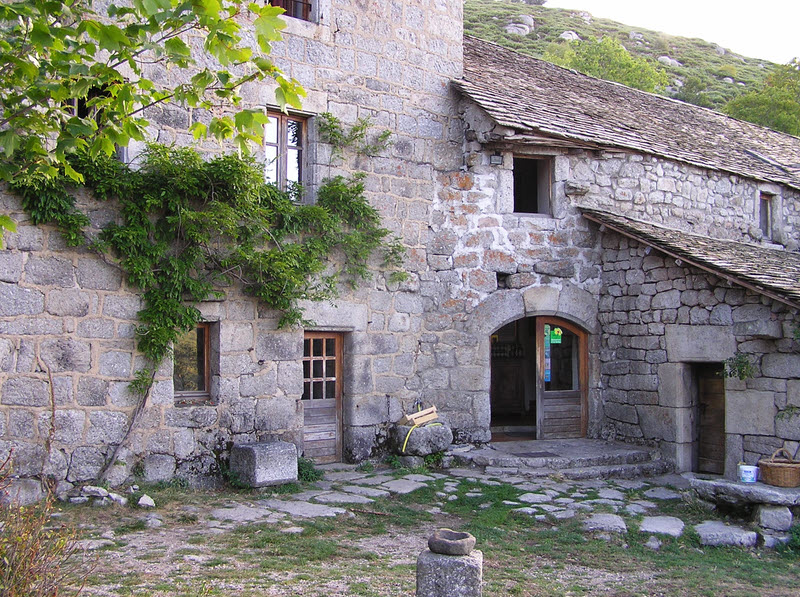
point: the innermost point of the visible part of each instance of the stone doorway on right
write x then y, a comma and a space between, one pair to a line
710, 417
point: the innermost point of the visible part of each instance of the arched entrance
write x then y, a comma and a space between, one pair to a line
539, 379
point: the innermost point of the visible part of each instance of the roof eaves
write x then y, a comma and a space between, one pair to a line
608, 220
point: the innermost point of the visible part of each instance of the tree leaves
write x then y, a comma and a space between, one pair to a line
608, 59
776, 105
57, 52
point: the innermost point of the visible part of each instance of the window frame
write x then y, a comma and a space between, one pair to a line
766, 207
282, 149
292, 7
338, 339
545, 171
189, 397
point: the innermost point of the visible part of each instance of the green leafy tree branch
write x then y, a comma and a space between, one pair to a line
56, 54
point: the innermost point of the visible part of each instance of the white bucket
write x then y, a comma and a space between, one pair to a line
747, 473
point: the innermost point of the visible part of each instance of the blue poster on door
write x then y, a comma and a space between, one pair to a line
547, 353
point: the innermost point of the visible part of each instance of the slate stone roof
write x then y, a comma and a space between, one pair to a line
773, 272
541, 99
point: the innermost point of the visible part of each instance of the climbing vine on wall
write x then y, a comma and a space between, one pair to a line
188, 228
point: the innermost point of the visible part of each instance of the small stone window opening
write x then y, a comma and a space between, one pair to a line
322, 365
765, 214
191, 374
284, 138
297, 9
533, 180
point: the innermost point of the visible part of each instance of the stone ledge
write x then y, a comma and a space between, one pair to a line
717, 489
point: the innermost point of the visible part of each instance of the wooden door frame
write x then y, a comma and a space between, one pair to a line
339, 368
583, 369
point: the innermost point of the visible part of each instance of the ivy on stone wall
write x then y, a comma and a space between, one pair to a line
188, 228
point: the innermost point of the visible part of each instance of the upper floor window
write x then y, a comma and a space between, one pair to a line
283, 148
532, 185
294, 8
765, 208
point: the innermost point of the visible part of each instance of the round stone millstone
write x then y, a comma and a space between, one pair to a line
451, 543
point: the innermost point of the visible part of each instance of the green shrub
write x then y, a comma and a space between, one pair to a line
306, 471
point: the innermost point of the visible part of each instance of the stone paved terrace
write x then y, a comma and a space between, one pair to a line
604, 506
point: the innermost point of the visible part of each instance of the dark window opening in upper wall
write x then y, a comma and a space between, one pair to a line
294, 8
765, 215
532, 184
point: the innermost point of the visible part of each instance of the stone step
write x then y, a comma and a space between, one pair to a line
506, 461
619, 463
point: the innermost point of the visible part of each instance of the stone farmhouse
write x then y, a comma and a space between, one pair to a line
583, 258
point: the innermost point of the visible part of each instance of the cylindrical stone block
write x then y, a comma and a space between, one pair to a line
440, 575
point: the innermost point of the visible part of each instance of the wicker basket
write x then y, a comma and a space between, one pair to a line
780, 472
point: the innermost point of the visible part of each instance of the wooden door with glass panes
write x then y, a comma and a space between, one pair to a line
322, 396
562, 378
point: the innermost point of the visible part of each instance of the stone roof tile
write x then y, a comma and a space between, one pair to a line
773, 272
542, 99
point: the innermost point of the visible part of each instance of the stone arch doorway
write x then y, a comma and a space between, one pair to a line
539, 379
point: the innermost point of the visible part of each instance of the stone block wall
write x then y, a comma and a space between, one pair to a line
659, 317
71, 312
683, 197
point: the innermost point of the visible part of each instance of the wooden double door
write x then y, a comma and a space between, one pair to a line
540, 377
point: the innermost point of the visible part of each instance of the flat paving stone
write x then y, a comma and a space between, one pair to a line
303, 509
372, 492
629, 483
242, 513
645, 504
611, 494
635, 509
715, 532
673, 479
653, 543
344, 476
375, 480
662, 493
535, 498
564, 514
340, 497
605, 523
528, 511
662, 525
292, 530
419, 478
304, 496
403, 486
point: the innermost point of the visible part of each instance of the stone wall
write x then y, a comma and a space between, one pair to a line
683, 197
70, 312
659, 317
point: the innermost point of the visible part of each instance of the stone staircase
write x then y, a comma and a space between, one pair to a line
571, 459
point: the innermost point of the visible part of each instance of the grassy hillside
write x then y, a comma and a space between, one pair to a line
720, 74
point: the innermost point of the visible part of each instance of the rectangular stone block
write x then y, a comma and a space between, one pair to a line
440, 575
750, 412
264, 464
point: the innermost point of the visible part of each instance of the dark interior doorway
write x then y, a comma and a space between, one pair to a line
710, 417
513, 389
539, 380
